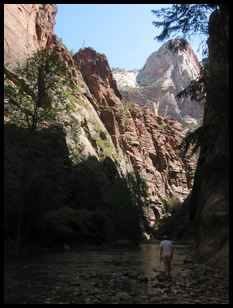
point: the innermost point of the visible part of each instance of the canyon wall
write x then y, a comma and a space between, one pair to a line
210, 195
27, 27
103, 124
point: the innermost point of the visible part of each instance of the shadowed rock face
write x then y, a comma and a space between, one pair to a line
130, 133
164, 75
209, 198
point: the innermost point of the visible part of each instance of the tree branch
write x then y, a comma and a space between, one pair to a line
20, 82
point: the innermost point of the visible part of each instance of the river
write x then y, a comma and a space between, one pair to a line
111, 276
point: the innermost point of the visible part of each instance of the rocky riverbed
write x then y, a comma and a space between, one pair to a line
116, 276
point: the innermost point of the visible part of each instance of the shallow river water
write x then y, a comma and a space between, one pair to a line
130, 276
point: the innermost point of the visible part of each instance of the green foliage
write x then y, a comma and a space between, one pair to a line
36, 168
121, 212
36, 83
162, 126
69, 225
198, 138
138, 189
22, 110
50, 198
100, 139
177, 225
105, 108
178, 44
188, 19
75, 155
126, 201
170, 204
122, 111
190, 126
197, 88
72, 98
60, 40
87, 182
131, 107
107, 149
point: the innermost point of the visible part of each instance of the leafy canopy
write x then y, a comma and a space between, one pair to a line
188, 19
31, 87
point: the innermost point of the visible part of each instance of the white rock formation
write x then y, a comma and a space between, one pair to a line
163, 76
125, 79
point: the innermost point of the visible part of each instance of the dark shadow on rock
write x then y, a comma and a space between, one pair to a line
51, 201
178, 225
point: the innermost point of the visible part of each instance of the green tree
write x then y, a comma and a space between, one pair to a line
125, 202
185, 20
36, 175
31, 87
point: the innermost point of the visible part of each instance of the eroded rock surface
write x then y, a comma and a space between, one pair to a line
164, 75
27, 27
147, 144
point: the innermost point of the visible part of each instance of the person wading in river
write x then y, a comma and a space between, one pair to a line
166, 254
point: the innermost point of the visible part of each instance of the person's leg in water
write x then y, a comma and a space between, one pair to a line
167, 267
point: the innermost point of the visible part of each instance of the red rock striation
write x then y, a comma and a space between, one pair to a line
146, 144
45, 21
92, 64
149, 143
27, 27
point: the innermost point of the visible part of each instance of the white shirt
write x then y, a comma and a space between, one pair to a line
167, 247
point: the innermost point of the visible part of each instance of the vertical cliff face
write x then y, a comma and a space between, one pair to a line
148, 144
163, 76
101, 123
27, 27
209, 199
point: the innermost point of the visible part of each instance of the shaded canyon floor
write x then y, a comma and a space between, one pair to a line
130, 276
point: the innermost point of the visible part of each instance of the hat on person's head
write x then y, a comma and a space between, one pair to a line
165, 236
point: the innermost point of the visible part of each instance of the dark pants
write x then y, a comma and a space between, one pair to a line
167, 264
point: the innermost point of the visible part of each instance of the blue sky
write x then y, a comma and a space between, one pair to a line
123, 32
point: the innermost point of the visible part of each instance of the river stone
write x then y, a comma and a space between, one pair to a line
143, 278
77, 293
123, 295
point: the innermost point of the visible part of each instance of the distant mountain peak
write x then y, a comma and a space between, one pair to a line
165, 73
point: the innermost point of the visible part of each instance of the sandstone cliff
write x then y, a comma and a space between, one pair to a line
147, 144
99, 122
164, 75
27, 27
209, 198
